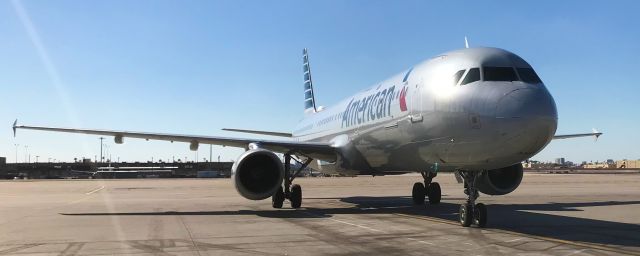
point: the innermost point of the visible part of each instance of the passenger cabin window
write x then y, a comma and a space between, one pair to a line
457, 76
472, 76
499, 74
529, 76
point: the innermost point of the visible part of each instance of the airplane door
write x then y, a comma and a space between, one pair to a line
416, 103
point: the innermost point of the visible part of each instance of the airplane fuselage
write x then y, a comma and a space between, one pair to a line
470, 109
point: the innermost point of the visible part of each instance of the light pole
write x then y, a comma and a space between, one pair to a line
26, 152
101, 139
210, 152
107, 152
17, 145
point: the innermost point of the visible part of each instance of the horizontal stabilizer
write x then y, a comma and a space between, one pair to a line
278, 134
595, 134
15, 124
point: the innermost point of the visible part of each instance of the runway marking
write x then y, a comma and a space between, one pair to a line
356, 225
78, 200
548, 239
87, 197
420, 241
348, 223
576, 252
95, 190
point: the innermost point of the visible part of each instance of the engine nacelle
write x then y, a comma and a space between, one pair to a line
500, 181
257, 174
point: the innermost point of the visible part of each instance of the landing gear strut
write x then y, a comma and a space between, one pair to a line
470, 212
427, 189
293, 192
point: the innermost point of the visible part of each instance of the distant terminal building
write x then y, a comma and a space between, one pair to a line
88, 169
628, 164
560, 161
599, 165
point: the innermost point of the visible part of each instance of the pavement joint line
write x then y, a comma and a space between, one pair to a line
195, 245
95, 190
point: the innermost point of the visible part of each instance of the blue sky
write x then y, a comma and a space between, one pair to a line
194, 67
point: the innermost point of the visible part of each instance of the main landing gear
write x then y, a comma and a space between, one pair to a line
293, 192
427, 189
470, 212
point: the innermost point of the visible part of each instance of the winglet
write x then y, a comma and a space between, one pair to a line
596, 133
15, 124
466, 42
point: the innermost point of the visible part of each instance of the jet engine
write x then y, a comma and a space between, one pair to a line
500, 181
257, 174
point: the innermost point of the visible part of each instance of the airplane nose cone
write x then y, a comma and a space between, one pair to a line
528, 121
526, 102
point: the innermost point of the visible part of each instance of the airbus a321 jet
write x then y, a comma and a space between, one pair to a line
478, 112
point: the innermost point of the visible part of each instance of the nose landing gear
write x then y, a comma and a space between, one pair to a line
428, 189
470, 212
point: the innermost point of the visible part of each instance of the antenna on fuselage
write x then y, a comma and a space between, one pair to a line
466, 42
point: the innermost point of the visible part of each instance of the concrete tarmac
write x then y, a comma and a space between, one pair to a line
549, 214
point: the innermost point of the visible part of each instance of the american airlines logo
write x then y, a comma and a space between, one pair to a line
374, 106
403, 100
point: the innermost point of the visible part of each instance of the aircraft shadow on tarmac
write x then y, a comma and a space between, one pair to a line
510, 217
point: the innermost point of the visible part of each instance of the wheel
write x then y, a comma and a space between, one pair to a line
465, 215
296, 196
434, 193
418, 193
277, 199
480, 215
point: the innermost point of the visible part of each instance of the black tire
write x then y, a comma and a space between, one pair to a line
434, 193
277, 199
466, 215
296, 196
418, 193
480, 215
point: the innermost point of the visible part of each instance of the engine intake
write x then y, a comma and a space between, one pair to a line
500, 181
257, 174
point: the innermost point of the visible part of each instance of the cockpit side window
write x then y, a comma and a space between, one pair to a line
457, 76
507, 74
529, 76
472, 76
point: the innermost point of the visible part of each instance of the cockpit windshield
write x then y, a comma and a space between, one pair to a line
507, 74
472, 76
529, 76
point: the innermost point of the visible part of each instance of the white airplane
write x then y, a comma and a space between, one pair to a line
478, 112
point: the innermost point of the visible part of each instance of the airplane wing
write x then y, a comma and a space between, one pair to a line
595, 133
278, 134
322, 151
